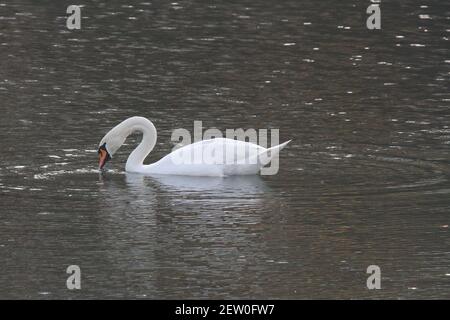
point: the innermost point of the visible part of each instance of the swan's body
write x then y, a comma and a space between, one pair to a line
214, 157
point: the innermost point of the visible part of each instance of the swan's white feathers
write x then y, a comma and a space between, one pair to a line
213, 157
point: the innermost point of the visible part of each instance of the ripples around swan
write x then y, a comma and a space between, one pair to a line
365, 180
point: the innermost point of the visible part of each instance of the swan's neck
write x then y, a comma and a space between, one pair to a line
136, 159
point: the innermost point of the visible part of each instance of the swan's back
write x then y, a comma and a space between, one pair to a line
213, 157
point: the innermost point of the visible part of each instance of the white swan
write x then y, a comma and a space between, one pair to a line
214, 157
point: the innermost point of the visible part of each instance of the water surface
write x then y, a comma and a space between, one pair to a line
364, 182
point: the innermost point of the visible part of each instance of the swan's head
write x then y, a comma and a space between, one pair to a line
109, 145
103, 156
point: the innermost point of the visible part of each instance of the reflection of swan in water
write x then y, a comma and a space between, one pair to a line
162, 228
241, 187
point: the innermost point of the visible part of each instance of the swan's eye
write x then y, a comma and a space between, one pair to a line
102, 147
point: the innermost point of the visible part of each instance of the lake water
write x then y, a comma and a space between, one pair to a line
365, 180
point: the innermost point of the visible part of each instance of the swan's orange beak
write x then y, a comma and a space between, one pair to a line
103, 157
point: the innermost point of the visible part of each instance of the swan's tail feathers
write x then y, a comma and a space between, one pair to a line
267, 155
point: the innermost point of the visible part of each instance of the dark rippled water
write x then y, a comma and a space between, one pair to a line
364, 182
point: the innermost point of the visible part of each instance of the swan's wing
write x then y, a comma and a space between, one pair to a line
215, 151
218, 156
